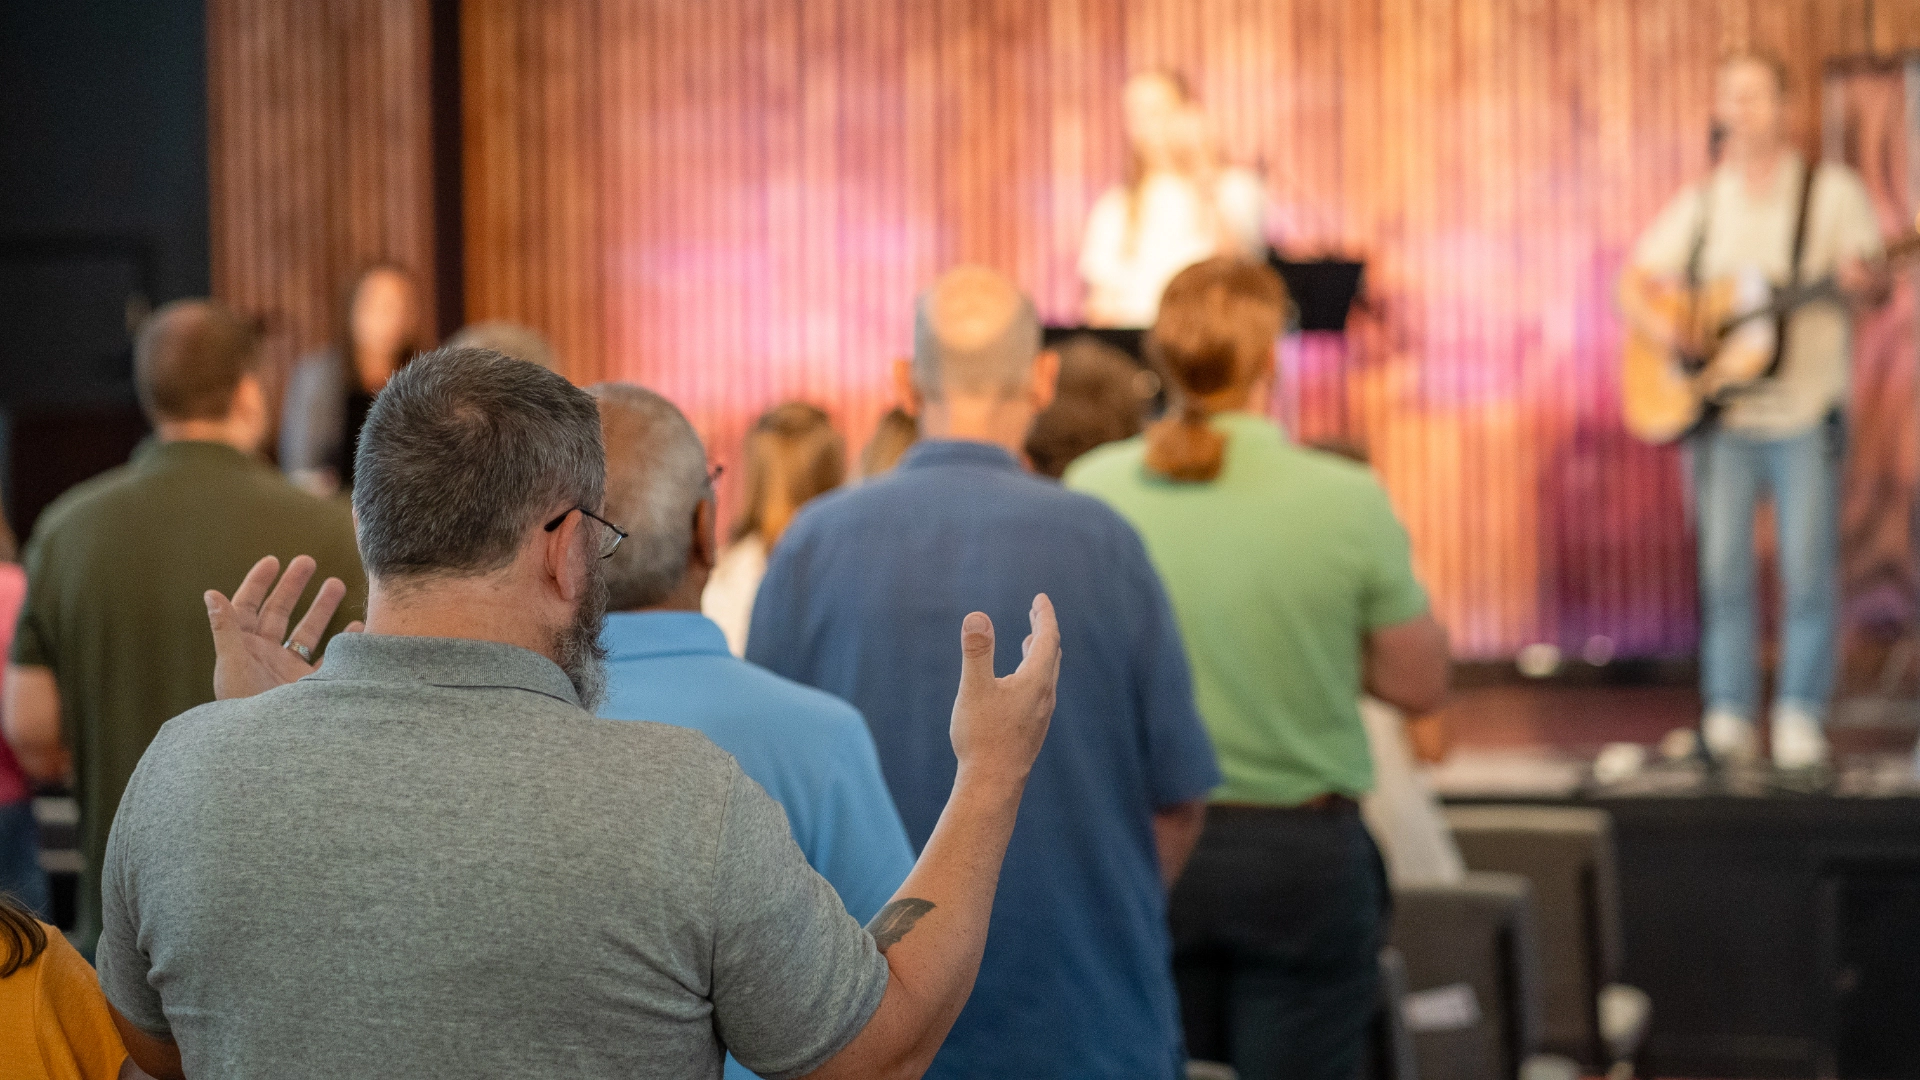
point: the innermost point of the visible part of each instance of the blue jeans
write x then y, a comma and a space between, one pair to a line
1731, 472
20, 873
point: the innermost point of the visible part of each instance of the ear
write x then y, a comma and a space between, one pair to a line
562, 556
705, 551
247, 415
1043, 379
905, 392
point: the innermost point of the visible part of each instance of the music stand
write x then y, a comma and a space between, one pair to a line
1322, 289
1133, 342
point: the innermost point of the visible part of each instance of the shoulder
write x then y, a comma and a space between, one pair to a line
271, 489
1339, 478
69, 989
1107, 467
814, 712
315, 370
832, 514
1835, 182
1686, 202
73, 522
678, 749
83, 502
1242, 182
1109, 211
1837, 174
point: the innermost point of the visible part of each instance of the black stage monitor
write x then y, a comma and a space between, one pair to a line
1130, 341
1322, 289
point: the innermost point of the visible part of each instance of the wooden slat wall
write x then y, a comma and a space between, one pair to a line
734, 202
320, 156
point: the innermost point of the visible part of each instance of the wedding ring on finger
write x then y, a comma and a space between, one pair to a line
299, 650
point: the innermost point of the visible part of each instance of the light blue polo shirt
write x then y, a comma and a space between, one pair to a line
809, 749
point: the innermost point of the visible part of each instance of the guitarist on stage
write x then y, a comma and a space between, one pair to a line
1781, 435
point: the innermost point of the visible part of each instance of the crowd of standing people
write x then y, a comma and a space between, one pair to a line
483, 788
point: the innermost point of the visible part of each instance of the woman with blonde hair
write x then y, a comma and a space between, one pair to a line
793, 454
1180, 204
1293, 585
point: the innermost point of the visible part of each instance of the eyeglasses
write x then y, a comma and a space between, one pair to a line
614, 533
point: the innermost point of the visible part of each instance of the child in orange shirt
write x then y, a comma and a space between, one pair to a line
54, 1023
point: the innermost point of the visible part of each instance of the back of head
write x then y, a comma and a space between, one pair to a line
22, 938
461, 452
1101, 398
974, 333
793, 455
896, 431
189, 359
656, 478
507, 338
1214, 339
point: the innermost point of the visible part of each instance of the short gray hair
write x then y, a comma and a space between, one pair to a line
973, 331
462, 451
656, 477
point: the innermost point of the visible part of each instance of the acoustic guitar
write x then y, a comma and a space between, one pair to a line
1666, 393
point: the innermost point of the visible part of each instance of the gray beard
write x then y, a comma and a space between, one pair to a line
577, 648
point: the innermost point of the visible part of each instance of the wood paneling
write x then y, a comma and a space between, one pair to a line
320, 156
734, 202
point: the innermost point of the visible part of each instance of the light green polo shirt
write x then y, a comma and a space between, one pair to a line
1277, 570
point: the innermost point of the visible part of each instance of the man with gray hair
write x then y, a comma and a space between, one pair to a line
425, 858
1077, 978
669, 663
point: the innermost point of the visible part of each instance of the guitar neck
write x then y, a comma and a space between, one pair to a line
1787, 300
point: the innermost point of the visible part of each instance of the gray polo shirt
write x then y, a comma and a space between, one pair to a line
426, 860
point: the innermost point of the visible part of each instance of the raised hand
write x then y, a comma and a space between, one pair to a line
253, 652
999, 724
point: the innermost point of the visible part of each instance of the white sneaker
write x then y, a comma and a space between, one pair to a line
1730, 737
1798, 742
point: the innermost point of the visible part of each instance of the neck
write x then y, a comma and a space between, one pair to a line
482, 608
225, 431
372, 367
1002, 421
684, 597
1757, 158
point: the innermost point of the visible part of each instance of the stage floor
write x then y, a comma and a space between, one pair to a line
1580, 720
1774, 918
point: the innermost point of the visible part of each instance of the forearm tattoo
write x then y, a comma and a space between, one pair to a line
894, 920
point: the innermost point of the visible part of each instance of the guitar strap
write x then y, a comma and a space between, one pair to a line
1793, 271
1700, 238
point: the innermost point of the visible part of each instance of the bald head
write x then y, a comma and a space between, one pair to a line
189, 359
974, 333
656, 479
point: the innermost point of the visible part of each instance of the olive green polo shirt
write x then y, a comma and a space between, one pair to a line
1277, 571
116, 569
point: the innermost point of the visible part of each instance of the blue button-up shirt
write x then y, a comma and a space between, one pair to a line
810, 750
864, 599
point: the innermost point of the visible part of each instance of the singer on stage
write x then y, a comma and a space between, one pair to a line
1180, 205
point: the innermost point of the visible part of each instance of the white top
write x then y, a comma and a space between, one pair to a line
1124, 281
1401, 811
728, 597
1748, 234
